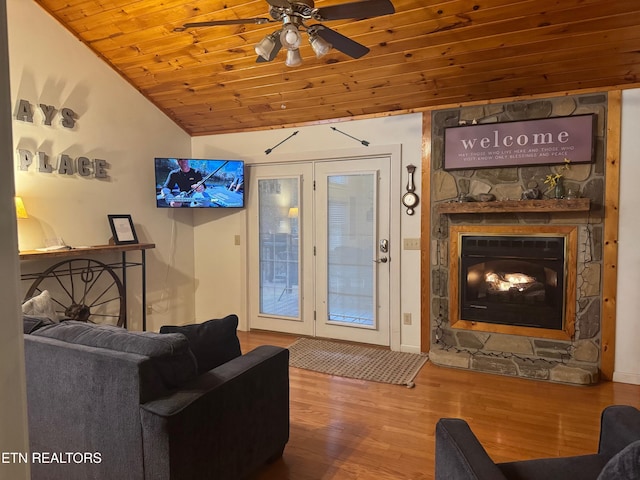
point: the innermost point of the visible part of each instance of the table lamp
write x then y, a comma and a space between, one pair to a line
21, 211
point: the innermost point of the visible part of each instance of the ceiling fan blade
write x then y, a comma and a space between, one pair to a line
274, 52
340, 42
363, 9
215, 23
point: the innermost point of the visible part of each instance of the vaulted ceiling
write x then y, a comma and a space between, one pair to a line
428, 53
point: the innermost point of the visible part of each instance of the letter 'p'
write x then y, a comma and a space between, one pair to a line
26, 158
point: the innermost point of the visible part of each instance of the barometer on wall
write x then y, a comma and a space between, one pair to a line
410, 199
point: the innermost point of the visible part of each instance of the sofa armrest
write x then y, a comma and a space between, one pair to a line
85, 399
619, 426
225, 424
459, 454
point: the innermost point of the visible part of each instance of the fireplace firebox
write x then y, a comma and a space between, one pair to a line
513, 280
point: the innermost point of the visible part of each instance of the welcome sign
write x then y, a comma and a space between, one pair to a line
528, 142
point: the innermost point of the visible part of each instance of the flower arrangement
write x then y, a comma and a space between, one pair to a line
554, 178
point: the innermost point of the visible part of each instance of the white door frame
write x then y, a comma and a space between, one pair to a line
395, 216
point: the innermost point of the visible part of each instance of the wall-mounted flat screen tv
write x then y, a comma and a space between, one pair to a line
199, 183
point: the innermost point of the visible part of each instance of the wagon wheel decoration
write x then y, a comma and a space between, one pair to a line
85, 290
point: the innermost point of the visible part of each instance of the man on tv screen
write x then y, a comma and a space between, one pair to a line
199, 182
190, 183
185, 177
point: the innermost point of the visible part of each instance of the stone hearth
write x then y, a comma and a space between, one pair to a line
573, 357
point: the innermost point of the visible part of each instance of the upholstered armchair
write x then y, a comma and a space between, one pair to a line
460, 456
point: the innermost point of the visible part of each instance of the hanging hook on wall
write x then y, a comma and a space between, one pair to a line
363, 142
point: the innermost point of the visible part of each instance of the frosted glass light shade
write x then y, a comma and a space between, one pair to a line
290, 37
265, 47
319, 45
293, 58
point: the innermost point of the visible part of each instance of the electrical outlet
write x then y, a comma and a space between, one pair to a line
236, 240
406, 318
149, 309
411, 244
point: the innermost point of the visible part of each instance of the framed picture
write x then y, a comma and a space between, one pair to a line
122, 229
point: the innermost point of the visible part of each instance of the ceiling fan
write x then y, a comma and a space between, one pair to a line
293, 15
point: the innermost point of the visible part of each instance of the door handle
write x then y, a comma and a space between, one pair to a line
382, 260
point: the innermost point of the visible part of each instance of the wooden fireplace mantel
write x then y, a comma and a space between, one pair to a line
516, 206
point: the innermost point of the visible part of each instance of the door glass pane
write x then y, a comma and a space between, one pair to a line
351, 238
279, 246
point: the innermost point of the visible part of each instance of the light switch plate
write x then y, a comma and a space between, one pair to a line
411, 244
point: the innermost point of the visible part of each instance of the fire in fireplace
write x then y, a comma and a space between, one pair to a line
513, 280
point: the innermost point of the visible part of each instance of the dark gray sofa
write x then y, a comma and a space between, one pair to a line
460, 456
105, 403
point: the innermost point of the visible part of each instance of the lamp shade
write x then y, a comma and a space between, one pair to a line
319, 45
21, 211
293, 58
265, 47
290, 37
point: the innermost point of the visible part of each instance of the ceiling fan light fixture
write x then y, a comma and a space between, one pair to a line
293, 58
319, 45
290, 37
265, 46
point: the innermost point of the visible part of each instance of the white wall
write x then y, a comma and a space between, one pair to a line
215, 249
13, 414
627, 361
115, 123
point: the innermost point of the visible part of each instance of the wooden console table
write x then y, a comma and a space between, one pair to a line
66, 269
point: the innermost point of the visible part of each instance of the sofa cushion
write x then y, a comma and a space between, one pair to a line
623, 466
170, 354
584, 467
213, 342
30, 323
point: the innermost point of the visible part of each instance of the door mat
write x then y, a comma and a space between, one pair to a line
356, 361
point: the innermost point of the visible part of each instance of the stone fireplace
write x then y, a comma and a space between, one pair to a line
516, 286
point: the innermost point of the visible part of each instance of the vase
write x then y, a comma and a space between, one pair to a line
558, 191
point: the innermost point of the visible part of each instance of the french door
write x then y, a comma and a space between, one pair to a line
280, 215
319, 249
352, 250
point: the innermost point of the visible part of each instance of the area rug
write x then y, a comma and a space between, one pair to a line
355, 361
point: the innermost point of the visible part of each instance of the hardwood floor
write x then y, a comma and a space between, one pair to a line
343, 429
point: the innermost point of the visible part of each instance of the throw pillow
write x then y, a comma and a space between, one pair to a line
213, 342
41, 305
623, 466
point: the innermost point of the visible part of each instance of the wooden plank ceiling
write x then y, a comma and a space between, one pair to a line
428, 53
